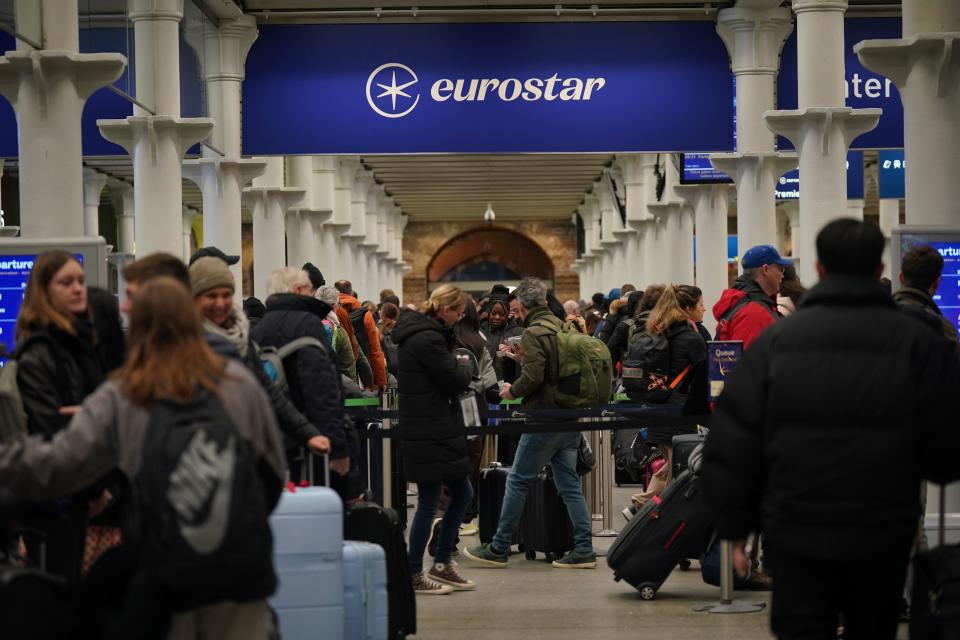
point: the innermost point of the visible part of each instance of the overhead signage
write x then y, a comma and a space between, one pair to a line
697, 169
445, 88
891, 170
788, 185
864, 89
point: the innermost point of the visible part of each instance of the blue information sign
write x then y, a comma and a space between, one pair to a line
864, 88
697, 169
492, 88
722, 357
788, 186
892, 169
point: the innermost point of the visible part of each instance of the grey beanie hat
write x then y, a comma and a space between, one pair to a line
208, 273
329, 295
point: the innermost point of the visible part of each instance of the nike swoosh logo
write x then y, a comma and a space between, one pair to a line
207, 537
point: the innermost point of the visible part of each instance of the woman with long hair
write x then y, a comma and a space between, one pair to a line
168, 366
434, 451
497, 328
672, 319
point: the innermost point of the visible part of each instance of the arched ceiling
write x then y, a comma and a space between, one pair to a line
506, 247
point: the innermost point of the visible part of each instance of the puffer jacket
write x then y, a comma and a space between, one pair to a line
430, 380
311, 373
56, 369
822, 405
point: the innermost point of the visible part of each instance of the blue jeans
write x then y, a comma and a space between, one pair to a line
461, 492
535, 451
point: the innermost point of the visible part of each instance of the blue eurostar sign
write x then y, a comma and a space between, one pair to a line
490, 88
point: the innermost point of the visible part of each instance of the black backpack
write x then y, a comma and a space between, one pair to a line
391, 351
203, 512
359, 329
646, 367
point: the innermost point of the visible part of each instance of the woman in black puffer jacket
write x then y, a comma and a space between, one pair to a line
434, 452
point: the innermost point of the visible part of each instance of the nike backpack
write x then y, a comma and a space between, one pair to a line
271, 358
203, 512
646, 367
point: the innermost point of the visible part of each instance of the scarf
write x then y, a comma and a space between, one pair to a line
236, 330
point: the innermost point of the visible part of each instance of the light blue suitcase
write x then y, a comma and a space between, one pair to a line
308, 556
366, 607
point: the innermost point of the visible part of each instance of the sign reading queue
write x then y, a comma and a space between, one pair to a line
864, 89
490, 88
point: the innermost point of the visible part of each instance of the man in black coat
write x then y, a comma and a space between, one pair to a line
311, 372
830, 401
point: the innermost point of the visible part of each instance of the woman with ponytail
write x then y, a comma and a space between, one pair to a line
434, 449
675, 317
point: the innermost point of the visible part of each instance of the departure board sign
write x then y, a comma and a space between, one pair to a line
947, 243
697, 169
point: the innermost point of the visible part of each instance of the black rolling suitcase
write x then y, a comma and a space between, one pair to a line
683, 446
372, 523
934, 609
371, 469
545, 525
664, 532
493, 483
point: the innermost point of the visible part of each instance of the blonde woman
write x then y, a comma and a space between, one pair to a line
434, 453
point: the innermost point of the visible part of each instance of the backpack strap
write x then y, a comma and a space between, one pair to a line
742, 302
676, 382
296, 345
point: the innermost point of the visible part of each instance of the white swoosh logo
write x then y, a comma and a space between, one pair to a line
206, 538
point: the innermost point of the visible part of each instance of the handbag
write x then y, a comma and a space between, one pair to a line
935, 605
586, 458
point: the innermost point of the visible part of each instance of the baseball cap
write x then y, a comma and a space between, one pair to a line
213, 252
763, 254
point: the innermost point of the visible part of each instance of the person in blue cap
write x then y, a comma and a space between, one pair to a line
750, 306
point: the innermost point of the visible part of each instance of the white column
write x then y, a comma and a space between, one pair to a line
754, 36
48, 89
189, 215
121, 195
855, 209
339, 224
404, 268
374, 197
157, 141
595, 254
93, 184
632, 168
925, 67
675, 246
614, 265
302, 240
710, 203
269, 206
357, 234
324, 199
889, 218
792, 209
822, 128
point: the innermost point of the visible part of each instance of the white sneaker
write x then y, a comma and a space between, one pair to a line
424, 586
469, 529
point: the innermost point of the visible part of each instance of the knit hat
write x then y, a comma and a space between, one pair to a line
208, 273
329, 295
316, 278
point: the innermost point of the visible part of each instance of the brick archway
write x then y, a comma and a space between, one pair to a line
506, 247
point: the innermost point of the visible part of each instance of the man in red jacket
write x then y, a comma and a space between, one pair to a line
365, 329
745, 310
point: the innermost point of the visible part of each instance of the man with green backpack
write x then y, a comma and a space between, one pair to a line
562, 369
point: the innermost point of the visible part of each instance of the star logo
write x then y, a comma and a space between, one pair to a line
391, 81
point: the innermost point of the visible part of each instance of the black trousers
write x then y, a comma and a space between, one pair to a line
812, 595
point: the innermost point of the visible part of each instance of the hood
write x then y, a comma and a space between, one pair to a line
742, 287
848, 290
294, 302
348, 302
412, 323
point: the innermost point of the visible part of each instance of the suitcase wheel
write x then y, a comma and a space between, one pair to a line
684, 564
532, 555
648, 590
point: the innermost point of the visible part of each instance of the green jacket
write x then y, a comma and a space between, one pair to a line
537, 381
345, 359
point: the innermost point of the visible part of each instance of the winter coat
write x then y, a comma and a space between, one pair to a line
506, 369
109, 433
56, 369
687, 347
346, 361
374, 353
428, 385
111, 346
312, 373
752, 318
826, 404
537, 384
920, 305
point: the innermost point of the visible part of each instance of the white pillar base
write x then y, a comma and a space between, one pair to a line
926, 70
710, 203
93, 184
822, 136
755, 175
157, 144
221, 183
48, 90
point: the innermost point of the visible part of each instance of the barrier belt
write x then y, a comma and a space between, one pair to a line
518, 428
606, 411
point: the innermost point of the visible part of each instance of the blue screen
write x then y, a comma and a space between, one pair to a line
788, 186
698, 170
948, 294
892, 174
